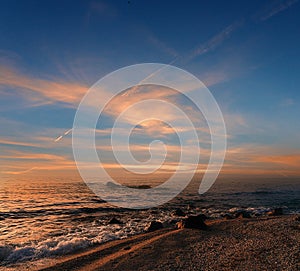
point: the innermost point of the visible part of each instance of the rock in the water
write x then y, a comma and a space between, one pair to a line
242, 214
113, 185
115, 221
179, 212
141, 186
154, 225
193, 222
276, 211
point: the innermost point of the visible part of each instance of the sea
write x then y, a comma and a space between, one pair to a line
44, 218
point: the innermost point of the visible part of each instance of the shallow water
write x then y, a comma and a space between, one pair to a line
50, 217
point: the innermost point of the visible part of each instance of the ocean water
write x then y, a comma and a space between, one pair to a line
44, 218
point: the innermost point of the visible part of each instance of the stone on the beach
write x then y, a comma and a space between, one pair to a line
191, 206
154, 225
297, 218
242, 214
5, 251
228, 216
115, 221
275, 212
193, 222
179, 212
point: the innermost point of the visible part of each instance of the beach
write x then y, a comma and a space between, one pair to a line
265, 243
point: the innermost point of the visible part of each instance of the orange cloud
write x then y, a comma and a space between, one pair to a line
27, 162
18, 143
291, 160
42, 89
33, 156
261, 160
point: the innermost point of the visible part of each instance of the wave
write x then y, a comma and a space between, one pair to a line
10, 254
83, 235
56, 212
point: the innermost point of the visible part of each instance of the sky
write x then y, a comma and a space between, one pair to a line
245, 52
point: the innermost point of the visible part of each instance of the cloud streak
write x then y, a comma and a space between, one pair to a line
41, 89
25, 162
18, 143
162, 46
215, 41
274, 9
63, 135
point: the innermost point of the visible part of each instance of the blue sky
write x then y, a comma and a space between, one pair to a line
246, 52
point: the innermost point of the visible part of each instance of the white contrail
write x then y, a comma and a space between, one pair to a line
63, 135
215, 41
208, 46
135, 88
68, 131
274, 10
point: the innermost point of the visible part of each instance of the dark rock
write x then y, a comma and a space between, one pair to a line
154, 225
275, 212
113, 185
297, 218
171, 222
5, 251
155, 212
193, 222
114, 221
242, 214
142, 186
203, 216
179, 212
228, 216
191, 206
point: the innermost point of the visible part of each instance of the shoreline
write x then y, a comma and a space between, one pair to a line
235, 244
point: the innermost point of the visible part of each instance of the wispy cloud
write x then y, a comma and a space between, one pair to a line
287, 102
162, 46
256, 159
134, 95
25, 162
215, 41
100, 9
273, 9
26, 136
16, 172
32, 156
18, 143
290, 160
44, 90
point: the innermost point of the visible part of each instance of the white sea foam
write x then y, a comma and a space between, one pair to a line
71, 242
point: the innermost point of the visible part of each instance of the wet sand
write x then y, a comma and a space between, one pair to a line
269, 243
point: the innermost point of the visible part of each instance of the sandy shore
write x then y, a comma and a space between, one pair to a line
269, 243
